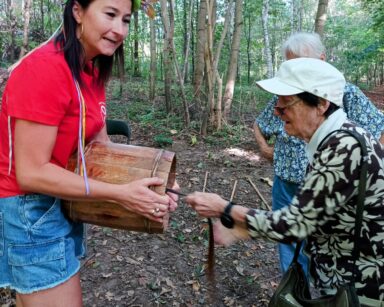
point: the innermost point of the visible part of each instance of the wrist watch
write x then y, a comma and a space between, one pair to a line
226, 218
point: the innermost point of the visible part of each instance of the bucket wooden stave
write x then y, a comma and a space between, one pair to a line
119, 164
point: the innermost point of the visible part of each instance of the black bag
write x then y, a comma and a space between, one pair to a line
293, 290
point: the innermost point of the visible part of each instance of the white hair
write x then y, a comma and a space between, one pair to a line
304, 44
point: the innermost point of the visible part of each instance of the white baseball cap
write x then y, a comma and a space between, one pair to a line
307, 75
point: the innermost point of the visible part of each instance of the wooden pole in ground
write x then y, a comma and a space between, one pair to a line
259, 194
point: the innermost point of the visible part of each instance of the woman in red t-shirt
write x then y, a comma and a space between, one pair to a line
48, 94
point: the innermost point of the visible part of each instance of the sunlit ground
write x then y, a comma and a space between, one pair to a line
238, 152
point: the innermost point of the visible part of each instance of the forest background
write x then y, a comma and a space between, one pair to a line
201, 58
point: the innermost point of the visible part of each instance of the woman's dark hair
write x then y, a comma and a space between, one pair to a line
312, 100
74, 52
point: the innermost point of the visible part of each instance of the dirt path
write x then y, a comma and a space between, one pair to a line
377, 96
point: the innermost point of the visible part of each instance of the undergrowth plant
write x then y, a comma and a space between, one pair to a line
130, 102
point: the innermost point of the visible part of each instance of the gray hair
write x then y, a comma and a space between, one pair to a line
304, 44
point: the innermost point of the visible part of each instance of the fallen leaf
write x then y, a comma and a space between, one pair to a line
169, 283
266, 180
164, 290
109, 296
240, 270
228, 301
106, 275
196, 286
193, 140
131, 261
142, 281
255, 276
113, 251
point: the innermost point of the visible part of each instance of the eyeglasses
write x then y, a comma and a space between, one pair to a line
280, 110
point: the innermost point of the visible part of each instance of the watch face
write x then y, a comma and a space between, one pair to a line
227, 220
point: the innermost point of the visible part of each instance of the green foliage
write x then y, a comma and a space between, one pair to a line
198, 270
162, 140
354, 38
230, 135
180, 238
353, 45
376, 8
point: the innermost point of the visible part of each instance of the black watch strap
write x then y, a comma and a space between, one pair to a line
226, 218
228, 208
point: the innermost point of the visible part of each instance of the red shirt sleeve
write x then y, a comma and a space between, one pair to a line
39, 90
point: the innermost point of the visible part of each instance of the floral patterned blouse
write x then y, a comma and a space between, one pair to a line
323, 212
289, 158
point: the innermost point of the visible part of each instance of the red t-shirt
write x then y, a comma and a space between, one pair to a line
41, 89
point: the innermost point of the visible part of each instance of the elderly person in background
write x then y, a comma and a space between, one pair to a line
288, 152
323, 211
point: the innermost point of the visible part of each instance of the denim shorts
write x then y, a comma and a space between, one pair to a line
39, 247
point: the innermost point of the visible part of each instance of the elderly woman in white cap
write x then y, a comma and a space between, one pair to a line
323, 211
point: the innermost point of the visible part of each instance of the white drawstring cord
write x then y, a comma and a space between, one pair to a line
10, 146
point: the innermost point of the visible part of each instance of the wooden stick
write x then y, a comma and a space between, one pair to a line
258, 193
210, 256
233, 190
205, 181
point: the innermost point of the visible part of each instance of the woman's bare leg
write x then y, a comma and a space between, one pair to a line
64, 295
18, 301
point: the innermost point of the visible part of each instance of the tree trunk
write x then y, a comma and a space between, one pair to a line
152, 74
292, 19
216, 77
267, 47
200, 49
136, 66
247, 24
219, 101
213, 10
187, 40
167, 61
168, 22
12, 30
219, 46
231, 74
213, 109
208, 58
27, 14
321, 17
42, 25
179, 74
300, 14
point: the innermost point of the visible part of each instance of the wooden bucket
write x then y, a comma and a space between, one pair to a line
118, 163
